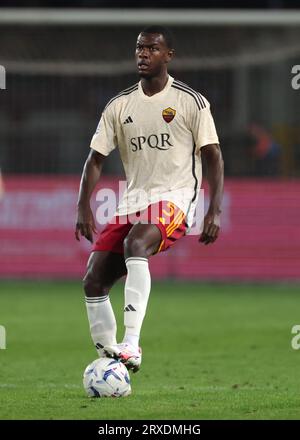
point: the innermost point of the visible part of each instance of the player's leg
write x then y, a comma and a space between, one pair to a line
142, 241
103, 270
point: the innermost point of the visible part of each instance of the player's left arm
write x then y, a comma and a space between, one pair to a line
212, 155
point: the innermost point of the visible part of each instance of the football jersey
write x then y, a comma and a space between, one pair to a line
159, 138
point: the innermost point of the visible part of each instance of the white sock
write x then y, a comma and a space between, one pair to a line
102, 321
137, 290
131, 339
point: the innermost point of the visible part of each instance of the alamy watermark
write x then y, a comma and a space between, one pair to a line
2, 78
296, 79
2, 338
296, 339
134, 207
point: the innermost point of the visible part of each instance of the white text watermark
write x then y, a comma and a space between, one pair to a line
139, 206
296, 79
2, 78
296, 339
2, 338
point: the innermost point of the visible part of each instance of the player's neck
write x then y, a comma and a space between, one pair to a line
154, 85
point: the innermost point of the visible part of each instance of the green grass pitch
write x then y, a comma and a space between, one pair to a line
211, 351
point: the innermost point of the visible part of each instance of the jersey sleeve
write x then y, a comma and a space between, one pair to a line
105, 140
202, 124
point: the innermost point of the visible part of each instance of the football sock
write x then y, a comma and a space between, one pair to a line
131, 339
102, 322
137, 290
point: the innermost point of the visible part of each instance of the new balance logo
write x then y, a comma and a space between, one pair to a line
129, 308
128, 120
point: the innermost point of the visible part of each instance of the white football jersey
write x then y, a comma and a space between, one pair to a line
159, 138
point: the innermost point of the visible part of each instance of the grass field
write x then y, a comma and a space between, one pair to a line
211, 351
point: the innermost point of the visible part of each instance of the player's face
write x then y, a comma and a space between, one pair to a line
152, 54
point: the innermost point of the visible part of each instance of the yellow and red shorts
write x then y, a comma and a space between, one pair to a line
169, 219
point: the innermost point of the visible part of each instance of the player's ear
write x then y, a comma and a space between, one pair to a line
170, 54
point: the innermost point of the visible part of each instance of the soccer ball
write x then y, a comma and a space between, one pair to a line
106, 377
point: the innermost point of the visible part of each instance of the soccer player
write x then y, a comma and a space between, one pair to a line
163, 129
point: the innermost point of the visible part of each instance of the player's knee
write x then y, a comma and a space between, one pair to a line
134, 247
93, 286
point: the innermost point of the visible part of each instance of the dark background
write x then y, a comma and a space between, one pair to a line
155, 3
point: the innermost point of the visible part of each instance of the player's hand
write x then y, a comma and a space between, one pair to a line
211, 228
85, 224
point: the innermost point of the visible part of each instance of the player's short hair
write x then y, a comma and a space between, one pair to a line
165, 32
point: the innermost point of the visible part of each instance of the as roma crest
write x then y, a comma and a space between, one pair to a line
168, 114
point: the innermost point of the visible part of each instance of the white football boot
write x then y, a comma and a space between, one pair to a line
126, 353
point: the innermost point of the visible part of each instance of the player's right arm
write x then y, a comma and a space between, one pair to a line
85, 224
103, 142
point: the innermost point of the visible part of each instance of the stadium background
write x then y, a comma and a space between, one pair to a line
62, 69
212, 350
